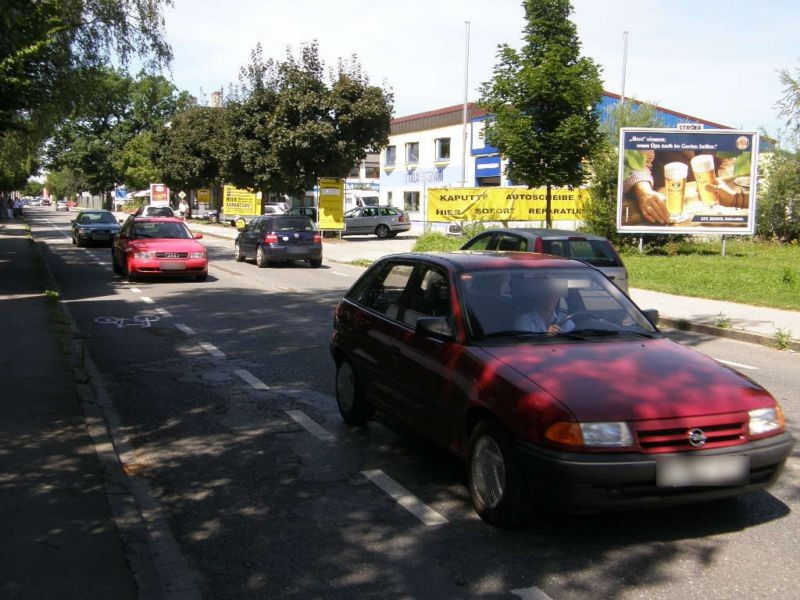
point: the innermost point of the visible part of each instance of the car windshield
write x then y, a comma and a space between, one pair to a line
161, 230
598, 253
88, 218
519, 302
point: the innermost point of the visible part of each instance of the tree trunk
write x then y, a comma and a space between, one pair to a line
547, 214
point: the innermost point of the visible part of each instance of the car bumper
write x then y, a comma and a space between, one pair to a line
96, 236
593, 482
170, 268
286, 253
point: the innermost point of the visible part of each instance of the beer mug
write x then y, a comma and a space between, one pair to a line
675, 174
703, 169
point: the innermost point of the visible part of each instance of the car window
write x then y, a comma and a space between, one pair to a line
293, 224
160, 230
508, 242
429, 297
478, 243
386, 290
388, 211
353, 212
598, 253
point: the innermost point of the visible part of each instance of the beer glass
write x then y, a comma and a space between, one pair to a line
675, 174
703, 169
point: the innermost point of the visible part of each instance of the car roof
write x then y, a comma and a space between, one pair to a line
467, 260
94, 210
143, 219
534, 232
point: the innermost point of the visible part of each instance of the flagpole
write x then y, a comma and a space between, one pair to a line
464, 114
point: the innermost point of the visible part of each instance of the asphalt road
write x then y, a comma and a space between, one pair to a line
269, 495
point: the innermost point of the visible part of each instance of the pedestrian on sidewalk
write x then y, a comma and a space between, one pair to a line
18, 208
9, 208
183, 209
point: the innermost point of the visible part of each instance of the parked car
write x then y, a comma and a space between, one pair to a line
158, 246
280, 238
383, 221
94, 226
62, 205
305, 211
601, 412
593, 249
154, 211
210, 215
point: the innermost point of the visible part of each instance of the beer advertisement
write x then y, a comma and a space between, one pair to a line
159, 194
504, 204
696, 182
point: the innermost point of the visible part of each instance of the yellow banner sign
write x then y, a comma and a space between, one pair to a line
331, 203
236, 201
504, 204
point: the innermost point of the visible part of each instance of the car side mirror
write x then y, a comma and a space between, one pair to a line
198, 236
436, 327
651, 314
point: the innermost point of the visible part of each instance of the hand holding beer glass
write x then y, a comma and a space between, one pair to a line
675, 174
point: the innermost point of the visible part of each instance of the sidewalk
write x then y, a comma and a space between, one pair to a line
59, 538
753, 324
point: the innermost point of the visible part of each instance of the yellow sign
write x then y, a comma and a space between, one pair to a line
331, 203
504, 204
203, 196
239, 202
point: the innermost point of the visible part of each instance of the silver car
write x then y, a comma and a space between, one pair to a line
383, 221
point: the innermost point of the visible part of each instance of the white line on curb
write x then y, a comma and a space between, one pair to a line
254, 381
405, 498
147, 300
735, 364
311, 426
163, 312
212, 350
185, 329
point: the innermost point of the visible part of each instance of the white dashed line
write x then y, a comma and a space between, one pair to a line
254, 381
212, 350
164, 312
135, 290
311, 426
147, 300
185, 329
735, 364
405, 498
340, 274
531, 593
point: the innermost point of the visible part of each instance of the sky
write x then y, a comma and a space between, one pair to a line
713, 59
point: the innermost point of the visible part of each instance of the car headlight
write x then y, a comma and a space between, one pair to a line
143, 255
197, 255
764, 420
615, 434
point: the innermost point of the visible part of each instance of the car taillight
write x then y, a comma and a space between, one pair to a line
317, 238
537, 245
401, 219
270, 238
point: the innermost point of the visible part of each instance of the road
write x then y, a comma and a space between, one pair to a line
224, 389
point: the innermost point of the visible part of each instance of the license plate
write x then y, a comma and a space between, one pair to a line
702, 471
173, 266
102, 236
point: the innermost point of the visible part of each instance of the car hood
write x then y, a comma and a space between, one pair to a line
629, 380
166, 245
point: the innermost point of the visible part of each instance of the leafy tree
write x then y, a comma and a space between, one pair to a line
18, 159
134, 161
779, 198
789, 105
33, 188
542, 99
295, 125
63, 182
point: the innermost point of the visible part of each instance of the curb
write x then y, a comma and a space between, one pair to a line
733, 334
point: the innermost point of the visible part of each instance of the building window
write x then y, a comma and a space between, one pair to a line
355, 172
412, 152
442, 149
391, 156
389, 198
411, 201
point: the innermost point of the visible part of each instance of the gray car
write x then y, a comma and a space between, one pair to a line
592, 249
383, 221
93, 226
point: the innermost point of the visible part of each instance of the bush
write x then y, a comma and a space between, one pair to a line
434, 241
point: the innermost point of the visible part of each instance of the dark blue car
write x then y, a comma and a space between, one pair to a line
279, 238
93, 226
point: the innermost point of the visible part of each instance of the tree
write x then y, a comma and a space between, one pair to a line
542, 99
779, 198
789, 105
63, 182
295, 125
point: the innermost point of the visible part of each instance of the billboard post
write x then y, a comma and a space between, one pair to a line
687, 182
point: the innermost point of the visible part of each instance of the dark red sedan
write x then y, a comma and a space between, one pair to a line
158, 246
556, 389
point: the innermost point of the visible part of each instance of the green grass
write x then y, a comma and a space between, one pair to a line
751, 272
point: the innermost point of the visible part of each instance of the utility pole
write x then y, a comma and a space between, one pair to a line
624, 63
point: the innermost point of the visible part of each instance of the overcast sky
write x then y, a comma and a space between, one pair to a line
712, 59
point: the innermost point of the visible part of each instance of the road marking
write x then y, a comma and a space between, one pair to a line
405, 498
735, 364
531, 593
147, 300
212, 350
254, 381
163, 312
137, 321
340, 274
185, 329
135, 290
311, 426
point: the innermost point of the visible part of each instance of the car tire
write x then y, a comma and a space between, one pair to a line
126, 271
261, 258
74, 241
316, 264
114, 264
497, 484
237, 253
382, 231
202, 277
353, 406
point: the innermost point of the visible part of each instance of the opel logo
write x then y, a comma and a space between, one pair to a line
697, 438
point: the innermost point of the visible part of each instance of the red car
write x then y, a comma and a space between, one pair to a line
158, 246
556, 389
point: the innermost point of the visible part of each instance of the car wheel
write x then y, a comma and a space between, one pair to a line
202, 277
114, 264
497, 484
353, 407
382, 231
315, 263
261, 258
74, 241
126, 269
237, 253
393, 234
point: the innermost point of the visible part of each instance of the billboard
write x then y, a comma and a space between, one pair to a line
504, 204
673, 181
159, 194
330, 209
236, 201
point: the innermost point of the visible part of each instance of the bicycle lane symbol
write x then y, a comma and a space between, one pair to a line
137, 321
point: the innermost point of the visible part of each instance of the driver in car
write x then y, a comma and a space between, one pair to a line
545, 315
